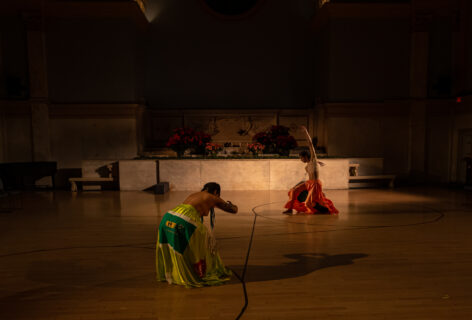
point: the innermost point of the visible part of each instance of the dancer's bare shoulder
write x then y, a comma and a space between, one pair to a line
201, 198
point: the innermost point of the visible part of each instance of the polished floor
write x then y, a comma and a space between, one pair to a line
389, 254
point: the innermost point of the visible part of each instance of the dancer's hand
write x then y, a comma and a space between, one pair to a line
235, 208
226, 206
322, 164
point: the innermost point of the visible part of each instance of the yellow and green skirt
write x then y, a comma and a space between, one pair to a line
186, 253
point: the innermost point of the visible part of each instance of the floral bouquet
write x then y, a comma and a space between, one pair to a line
263, 138
284, 144
186, 138
255, 148
201, 140
213, 148
276, 140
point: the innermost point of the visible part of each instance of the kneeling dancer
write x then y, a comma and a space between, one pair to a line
308, 196
186, 250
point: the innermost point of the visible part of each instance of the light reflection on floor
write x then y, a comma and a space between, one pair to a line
390, 254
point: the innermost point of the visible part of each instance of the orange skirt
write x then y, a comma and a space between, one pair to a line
315, 201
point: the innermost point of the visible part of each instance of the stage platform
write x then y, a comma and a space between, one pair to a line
232, 174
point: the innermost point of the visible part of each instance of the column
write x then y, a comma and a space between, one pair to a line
3, 155
418, 92
41, 141
2, 114
140, 136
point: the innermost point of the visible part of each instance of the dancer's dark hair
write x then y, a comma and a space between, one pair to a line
304, 154
211, 187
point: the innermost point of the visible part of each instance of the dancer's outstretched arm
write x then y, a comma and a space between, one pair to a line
313, 158
226, 206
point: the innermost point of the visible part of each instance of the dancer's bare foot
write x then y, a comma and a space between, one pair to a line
289, 212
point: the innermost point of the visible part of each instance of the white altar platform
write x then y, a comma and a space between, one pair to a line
231, 174
249, 174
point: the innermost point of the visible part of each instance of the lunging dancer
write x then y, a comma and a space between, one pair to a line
186, 250
308, 196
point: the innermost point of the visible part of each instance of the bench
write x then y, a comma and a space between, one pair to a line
91, 180
88, 180
355, 177
389, 177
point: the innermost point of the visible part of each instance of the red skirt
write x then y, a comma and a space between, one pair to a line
315, 201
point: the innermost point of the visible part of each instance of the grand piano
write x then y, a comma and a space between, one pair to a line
22, 175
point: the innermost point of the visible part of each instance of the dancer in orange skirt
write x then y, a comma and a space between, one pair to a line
308, 196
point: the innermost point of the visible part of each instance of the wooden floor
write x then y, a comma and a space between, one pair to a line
390, 254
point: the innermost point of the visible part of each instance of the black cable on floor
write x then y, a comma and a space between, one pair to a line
131, 245
242, 278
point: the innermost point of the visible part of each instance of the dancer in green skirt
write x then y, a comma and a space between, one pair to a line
186, 249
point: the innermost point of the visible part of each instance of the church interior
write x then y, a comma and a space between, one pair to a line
92, 90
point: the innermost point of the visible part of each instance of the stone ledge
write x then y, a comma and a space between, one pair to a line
249, 174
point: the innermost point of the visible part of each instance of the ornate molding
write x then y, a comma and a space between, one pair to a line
90, 111
227, 125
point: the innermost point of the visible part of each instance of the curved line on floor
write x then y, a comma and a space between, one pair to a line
133, 245
242, 278
439, 216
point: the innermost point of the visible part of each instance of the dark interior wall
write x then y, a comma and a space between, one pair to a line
196, 59
438, 146
383, 137
440, 59
17, 137
369, 60
469, 49
14, 80
322, 58
92, 60
370, 1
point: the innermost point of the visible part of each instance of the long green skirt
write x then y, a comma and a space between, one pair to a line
186, 252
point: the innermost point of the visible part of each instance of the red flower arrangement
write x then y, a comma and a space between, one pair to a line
186, 138
262, 138
255, 147
213, 148
276, 139
201, 141
286, 142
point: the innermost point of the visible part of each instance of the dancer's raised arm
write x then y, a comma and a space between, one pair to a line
313, 158
310, 143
